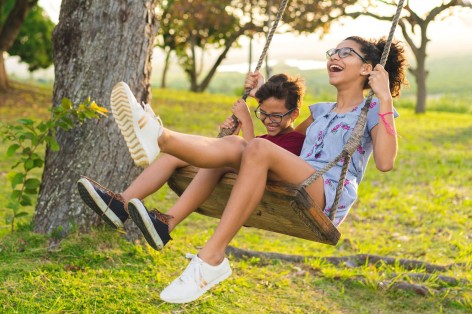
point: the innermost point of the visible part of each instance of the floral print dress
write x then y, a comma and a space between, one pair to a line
325, 139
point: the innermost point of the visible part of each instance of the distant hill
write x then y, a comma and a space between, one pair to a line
447, 76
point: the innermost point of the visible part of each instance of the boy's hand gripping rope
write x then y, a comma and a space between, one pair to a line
283, 5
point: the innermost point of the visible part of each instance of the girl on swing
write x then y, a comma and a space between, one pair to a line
279, 100
353, 66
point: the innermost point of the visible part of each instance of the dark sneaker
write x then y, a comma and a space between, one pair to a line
109, 205
153, 224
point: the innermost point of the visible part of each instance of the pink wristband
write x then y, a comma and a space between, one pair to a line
388, 126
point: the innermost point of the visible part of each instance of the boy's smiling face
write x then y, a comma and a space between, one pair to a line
277, 106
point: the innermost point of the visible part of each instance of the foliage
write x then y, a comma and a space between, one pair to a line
414, 30
217, 25
209, 25
33, 44
420, 210
27, 136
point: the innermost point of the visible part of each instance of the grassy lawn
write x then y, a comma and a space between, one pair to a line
420, 211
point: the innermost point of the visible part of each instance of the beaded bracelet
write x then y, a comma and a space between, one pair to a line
388, 126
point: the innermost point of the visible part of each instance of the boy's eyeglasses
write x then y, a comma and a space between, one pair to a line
274, 117
343, 53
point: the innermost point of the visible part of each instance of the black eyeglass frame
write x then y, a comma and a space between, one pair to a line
331, 52
281, 116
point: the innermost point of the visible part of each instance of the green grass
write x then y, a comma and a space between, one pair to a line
421, 210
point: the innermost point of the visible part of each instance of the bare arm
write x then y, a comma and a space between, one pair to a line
384, 138
241, 111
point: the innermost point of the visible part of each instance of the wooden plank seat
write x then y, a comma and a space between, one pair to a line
283, 209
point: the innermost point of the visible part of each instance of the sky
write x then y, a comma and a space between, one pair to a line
450, 36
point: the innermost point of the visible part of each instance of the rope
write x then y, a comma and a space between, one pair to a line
355, 139
283, 5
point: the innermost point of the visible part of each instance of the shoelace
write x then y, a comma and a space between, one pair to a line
193, 272
161, 216
148, 109
113, 195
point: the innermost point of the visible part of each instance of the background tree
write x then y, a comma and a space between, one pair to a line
12, 16
34, 43
96, 44
414, 29
191, 28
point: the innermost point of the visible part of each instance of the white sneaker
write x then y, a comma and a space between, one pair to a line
197, 278
139, 126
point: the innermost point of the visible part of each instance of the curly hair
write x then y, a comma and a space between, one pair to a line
395, 65
284, 87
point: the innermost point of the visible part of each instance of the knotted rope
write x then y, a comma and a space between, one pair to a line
283, 5
355, 140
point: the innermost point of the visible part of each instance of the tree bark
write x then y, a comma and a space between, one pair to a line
96, 44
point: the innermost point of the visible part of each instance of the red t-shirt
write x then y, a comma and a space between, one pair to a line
291, 141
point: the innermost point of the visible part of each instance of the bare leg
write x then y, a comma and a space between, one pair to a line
260, 158
201, 151
196, 193
153, 177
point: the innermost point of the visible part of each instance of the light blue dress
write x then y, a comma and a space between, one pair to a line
325, 139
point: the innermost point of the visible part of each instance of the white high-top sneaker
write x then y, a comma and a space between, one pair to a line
139, 126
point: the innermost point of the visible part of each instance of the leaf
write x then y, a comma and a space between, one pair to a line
68, 121
25, 121
13, 205
66, 103
12, 149
42, 127
38, 163
25, 200
21, 214
17, 179
32, 183
26, 151
53, 144
29, 164
31, 191
15, 194
27, 135
63, 125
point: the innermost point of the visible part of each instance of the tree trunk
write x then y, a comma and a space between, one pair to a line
96, 44
192, 67
420, 77
3, 74
166, 68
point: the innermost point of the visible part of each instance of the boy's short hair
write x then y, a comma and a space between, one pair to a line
285, 87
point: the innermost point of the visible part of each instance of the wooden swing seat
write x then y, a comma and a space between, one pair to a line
283, 209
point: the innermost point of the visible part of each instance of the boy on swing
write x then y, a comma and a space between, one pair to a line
279, 100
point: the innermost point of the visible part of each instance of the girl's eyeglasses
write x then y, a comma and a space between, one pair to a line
343, 53
274, 117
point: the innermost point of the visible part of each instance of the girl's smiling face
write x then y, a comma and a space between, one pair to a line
347, 70
277, 106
